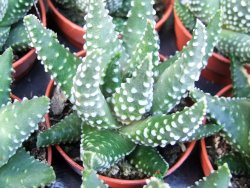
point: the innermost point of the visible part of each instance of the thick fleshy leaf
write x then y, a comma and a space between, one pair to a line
18, 38
219, 178
90, 180
67, 130
18, 121
5, 75
90, 103
160, 130
240, 78
134, 97
237, 164
16, 10
23, 170
155, 183
3, 8
181, 75
102, 148
235, 43
136, 23
59, 61
234, 115
203, 9
149, 161
4, 33
236, 15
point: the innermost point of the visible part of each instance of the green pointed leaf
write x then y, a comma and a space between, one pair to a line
24, 171
90, 179
136, 23
181, 75
234, 115
15, 11
134, 97
101, 33
219, 178
235, 43
4, 33
167, 129
18, 121
102, 148
241, 80
185, 15
203, 9
18, 38
67, 130
90, 103
236, 15
155, 183
3, 8
149, 161
5, 75
60, 62
237, 164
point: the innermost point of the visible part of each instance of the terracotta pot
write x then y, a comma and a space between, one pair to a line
74, 33
24, 64
112, 182
218, 67
49, 150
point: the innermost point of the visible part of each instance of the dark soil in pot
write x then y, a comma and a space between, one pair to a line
218, 147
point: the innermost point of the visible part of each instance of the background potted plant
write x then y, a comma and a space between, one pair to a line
12, 32
235, 28
119, 8
18, 120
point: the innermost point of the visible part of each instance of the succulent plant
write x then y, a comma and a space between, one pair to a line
12, 32
121, 91
234, 38
18, 121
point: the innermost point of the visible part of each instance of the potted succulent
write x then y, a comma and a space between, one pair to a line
18, 120
231, 145
72, 25
235, 27
12, 32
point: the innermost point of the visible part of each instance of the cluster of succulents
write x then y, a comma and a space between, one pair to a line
18, 121
235, 36
120, 90
12, 32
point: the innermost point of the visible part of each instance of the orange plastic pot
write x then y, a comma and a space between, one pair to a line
218, 67
74, 33
49, 150
112, 182
24, 64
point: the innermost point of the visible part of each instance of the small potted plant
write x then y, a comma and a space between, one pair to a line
18, 120
69, 15
12, 32
231, 145
235, 27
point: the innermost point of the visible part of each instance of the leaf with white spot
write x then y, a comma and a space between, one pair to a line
240, 79
17, 122
23, 170
90, 103
234, 115
4, 33
16, 10
149, 161
136, 23
154, 182
219, 178
3, 8
181, 75
67, 130
102, 148
90, 179
160, 130
134, 98
59, 61
5, 75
